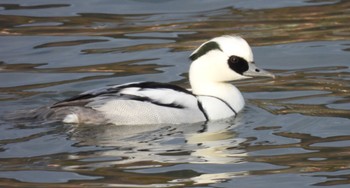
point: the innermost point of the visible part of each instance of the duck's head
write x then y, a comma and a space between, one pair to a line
224, 59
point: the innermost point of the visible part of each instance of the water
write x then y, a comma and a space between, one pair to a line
294, 131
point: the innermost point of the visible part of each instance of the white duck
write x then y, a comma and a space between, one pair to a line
214, 64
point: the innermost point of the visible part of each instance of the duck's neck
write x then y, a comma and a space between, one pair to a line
225, 91
207, 79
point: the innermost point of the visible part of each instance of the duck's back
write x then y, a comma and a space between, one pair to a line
135, 103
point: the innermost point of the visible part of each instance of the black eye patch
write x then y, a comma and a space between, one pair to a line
238, 64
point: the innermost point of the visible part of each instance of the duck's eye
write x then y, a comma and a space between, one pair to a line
233, 59
238, 64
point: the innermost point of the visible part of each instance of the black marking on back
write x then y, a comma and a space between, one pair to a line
82, 99
205, 49
155, 85
147, 99
238, 64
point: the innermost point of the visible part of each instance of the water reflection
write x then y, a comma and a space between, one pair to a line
157, 147
192, 143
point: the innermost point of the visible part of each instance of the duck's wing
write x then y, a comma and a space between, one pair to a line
135, 103
152, 92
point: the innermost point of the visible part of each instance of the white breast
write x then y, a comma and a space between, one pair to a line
216, 108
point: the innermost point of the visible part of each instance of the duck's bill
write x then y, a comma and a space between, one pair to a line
254, 71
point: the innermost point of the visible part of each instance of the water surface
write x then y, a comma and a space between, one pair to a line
294, 131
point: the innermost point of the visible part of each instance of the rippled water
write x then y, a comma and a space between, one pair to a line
294, 131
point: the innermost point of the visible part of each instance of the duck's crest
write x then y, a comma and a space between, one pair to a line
203, 49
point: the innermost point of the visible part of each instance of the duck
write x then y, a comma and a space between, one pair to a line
214, 64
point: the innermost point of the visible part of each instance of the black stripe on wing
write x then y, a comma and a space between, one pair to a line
82, 99
147, 99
